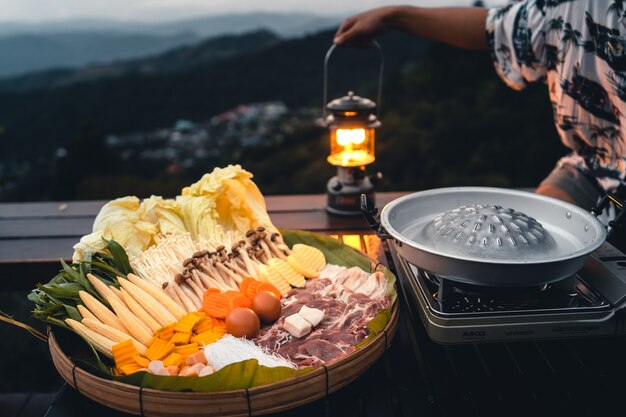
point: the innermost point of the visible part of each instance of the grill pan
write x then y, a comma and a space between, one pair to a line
491, 236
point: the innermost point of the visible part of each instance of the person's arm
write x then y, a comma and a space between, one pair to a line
463, 27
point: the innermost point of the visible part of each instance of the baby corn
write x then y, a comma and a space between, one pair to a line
149, 303
99, 342
85, 313
138, 311
101, 287
158, 294
103, 314
113, 334
135, 326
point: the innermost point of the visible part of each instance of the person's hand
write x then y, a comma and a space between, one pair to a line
360, 30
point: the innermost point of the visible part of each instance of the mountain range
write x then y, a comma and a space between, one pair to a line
446, 117
175, 60
26, 47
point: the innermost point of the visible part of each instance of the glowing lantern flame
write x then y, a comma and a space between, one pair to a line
345, 137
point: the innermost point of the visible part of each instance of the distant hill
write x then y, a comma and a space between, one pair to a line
36, 122
28, 53
174, 60
446, 120
68, 44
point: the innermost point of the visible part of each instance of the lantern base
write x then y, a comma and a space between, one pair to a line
345, 199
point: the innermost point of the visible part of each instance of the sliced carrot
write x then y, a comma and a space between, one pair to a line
266, 286
252, 289
216, 305
219, 323
237, 299
244, 285
211, 291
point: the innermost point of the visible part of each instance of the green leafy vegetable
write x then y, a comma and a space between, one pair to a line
57, 300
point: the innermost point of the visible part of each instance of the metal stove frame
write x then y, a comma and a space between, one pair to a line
604, 272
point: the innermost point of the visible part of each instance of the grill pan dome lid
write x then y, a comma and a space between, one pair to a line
488, 231
576, 231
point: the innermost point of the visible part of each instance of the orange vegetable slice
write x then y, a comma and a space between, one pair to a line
204, 325
216, 305
159, 349
210, 291
266, 286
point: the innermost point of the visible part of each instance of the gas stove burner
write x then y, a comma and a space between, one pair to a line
452, 297
461, 299
590, 303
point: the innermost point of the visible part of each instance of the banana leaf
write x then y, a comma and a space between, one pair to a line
249, 373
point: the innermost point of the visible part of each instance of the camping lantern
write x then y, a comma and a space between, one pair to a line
352, 121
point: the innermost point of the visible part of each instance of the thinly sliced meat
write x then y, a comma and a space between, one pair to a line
321, 349
339, 338
331, 271
346, 315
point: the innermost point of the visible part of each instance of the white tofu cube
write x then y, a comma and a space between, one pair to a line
312, 315
156, 367
207, 370
297, 326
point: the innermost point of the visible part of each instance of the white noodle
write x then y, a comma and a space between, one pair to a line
230, 349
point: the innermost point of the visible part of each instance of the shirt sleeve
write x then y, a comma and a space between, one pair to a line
516, 37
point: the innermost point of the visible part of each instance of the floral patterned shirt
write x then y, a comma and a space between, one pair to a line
579, 48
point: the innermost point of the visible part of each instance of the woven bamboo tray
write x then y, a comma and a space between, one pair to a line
270, 398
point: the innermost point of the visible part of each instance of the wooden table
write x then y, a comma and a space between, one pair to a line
415, 377
34, 236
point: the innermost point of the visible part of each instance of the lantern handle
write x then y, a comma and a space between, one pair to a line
380, 77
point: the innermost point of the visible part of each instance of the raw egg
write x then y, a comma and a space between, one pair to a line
267, 306
243, 322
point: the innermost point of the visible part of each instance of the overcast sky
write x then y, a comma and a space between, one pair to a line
46, 10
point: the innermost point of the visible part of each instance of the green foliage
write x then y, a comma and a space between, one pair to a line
57, 300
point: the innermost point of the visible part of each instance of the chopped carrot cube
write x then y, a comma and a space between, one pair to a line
173, 359
159, 349
180, 338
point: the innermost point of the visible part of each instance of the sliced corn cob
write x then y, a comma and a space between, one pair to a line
159, 295
135, 326
139, 311
99, 342
84, 311
113, 334
103, 314
155, 308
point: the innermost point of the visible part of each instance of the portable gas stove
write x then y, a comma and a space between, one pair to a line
590, 303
